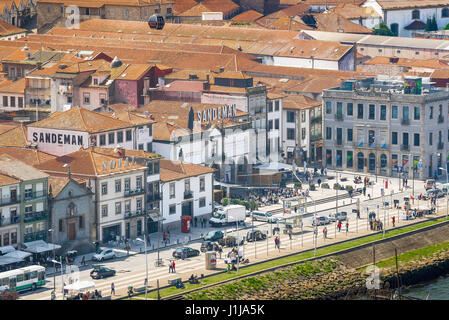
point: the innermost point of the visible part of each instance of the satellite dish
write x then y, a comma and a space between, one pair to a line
156, 21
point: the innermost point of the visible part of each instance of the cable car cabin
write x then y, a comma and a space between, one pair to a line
156, 21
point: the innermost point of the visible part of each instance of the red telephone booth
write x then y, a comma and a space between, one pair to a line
186, 223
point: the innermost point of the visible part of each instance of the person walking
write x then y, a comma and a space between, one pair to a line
195, 220
393, 220
290, 234
53, 295
339, 225
347, 227
173, 267
149, 240
170, 267
112, 289
324, 233
164, 238
83, 261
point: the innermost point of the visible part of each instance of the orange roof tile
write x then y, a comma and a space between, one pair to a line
81, 119
6, 180
30, 156
14, 137
176, 170
17, 86
299, 102
90, 162
247, 16
7, 29
334, 22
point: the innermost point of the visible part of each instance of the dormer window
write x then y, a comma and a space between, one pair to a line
96, 81
415, 14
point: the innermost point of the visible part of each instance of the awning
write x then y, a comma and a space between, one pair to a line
80, 286
8, 260
6, 249
39, 246
18, 254
273, 166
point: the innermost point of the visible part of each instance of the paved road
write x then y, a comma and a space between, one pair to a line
131, 269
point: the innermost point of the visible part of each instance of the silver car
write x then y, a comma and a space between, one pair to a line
104, 255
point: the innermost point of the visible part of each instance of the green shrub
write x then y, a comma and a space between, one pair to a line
348, 187
325, 185
337, 186
312, 187
298, 185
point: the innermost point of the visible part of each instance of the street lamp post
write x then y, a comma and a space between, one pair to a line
54, 265
146, 262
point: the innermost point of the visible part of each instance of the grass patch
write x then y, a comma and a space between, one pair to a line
290, 259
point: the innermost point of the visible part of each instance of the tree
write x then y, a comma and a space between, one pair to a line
446, 27
382, 30
431, 24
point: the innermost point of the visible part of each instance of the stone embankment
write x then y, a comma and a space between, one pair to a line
325, 279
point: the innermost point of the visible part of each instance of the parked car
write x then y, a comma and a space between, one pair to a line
319, 221
255, 235
263, 216
338, 216
231, 241
100, 272
104, 255
213, 235
429, 184
188, 252
209, 246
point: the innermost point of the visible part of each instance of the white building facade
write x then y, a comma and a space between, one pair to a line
386, 128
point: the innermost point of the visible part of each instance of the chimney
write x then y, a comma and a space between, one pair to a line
221, 70
190, 120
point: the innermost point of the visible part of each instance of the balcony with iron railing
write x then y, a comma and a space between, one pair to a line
405, 121
188, 194
440, 145
338, 116
38, 235
10, 220
133, 214
440, 119
30, 196
35, 216
4, 201
315, 137
405, 147
134, 192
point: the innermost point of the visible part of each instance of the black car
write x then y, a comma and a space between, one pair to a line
100, 272
188, 252
209, 246
255, 235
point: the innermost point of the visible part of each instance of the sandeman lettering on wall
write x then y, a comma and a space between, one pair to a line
58, 138
212, 114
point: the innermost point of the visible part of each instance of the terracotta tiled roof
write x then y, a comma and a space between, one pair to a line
295, 24
352, 11
183, 5
417, 63
6, 180
247, 16
225, 6
90, 162
176, 170
57, 184
7, 29
81, 119
403, 4
141, 154
15, 137
291, 11
18, 169
100, 3
440, 74
30, 156
299, 102
131, 117
17, 86
183, 85
334, 22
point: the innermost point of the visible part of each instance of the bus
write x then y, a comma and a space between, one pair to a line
26, 278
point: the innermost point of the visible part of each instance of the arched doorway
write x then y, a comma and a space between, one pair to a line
383, 164
372, 162
360, 161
